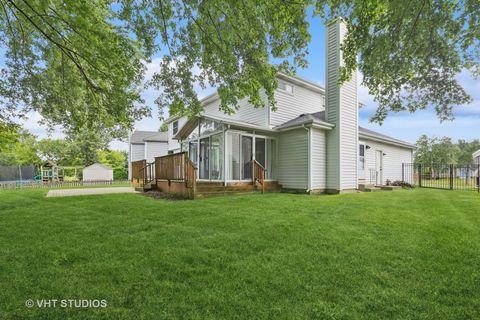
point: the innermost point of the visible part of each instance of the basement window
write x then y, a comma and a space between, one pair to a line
175, 127
286, 87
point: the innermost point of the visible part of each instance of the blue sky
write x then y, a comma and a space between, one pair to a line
403, 126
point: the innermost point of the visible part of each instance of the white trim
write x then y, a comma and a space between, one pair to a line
309, 155
311, 123
368, 136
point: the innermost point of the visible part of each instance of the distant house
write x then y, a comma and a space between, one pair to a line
97, 171
476, 157
146, 145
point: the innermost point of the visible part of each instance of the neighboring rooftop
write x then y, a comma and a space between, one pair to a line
142, 136
98, 165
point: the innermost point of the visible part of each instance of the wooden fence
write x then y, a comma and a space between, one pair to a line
58, 184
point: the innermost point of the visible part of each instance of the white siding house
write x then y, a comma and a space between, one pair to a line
310, 143
97, 172
146, 145
293, 162
476, 157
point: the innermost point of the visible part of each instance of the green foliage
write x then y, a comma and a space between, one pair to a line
164, 127
120, 173
8, 135
443, 151
410, 52
113, 158
118, 160
466, 149
21, 151
70, 62
78, 75
55, 150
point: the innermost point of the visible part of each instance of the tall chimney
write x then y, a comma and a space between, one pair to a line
342, 110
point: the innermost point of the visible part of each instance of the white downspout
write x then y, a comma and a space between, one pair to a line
309, 161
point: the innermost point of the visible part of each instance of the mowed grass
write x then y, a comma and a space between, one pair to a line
392, 255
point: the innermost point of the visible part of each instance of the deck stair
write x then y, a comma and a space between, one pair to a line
209, 189
367, 187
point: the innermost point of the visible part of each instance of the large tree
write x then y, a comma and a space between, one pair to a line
70, 62
79, 62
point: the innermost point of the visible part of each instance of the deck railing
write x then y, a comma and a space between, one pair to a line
147, 173
190, 174
137, 172
259, 174
176, 167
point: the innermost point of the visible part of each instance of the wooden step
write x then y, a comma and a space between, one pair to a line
390, 188
374, 189
363, 186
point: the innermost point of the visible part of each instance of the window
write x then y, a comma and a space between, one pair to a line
361, 157
288, 88
208, 126
175, 127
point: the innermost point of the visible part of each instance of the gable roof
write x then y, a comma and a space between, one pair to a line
476, 154
142, 136
319, 119
98, 165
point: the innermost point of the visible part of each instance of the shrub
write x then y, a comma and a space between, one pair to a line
120, 173
399, 183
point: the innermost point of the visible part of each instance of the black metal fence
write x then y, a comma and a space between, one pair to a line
442, 176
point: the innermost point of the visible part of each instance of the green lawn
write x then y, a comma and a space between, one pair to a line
404, 254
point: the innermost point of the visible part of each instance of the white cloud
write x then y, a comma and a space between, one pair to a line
409, 127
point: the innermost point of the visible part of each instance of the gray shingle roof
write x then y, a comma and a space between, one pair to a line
142, 136
320, 116
304, 118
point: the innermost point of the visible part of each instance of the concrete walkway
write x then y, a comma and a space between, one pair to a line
88, 191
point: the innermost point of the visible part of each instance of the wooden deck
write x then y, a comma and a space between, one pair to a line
176, 174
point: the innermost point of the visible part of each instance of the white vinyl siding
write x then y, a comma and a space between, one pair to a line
293, 159
138, 151
96, 172
342, 110
156, 149
172, 143
392, 160
318, 159
290, 106
246, 112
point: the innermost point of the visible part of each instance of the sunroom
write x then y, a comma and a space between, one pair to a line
225, 150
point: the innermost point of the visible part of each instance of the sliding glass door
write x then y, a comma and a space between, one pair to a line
216, 157
243, 149
260, 154
204, 158
247, 157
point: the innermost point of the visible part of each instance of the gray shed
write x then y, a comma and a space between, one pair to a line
97, 171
